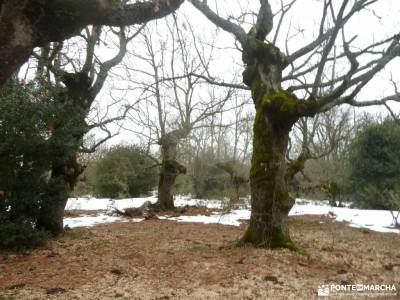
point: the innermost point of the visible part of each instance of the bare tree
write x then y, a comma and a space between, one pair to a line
173, 103
278, 109
74, 84
324, 142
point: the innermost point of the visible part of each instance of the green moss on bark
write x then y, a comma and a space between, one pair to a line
267, 52
258, 90
284, 101
279, 240
276, 112
262, 152
252, 237
281, 108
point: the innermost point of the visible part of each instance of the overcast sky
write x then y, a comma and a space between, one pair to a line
371, 25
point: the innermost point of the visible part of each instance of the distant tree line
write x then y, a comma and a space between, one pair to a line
363, 167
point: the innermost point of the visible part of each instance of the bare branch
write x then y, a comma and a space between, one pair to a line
230, 27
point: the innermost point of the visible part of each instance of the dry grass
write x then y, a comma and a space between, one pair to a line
158, 259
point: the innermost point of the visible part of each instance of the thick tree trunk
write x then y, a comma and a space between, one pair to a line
67, 134
64, 175
270, 200
52, 209
62, 183
170, 169
277, 111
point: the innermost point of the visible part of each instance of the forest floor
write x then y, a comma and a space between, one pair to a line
163, 259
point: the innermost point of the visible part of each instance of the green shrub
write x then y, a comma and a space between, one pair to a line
124, 171
20, 234
215, 182
374, 164
24, 164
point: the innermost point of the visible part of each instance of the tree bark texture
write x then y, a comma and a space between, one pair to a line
170, 169
276, 112
67, 137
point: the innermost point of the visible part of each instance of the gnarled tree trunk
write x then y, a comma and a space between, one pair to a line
270, 200
52, 209
276, 112
67, 137
63, 179
170, 169
69, 127
279, 109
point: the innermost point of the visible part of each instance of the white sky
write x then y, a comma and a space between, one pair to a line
369, 26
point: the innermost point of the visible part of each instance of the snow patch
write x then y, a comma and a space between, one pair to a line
106, 204
181, 201
376, 220
90, 221
232, 218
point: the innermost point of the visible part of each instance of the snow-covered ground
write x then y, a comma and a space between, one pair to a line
106, 204
88, 221
231, 218
377, 220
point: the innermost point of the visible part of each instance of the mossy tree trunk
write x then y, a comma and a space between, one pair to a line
270, 201
170, 169
277, 111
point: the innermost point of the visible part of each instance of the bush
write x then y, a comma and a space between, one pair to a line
215, 183
24, 164
124, 171
374, 164
20, 234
